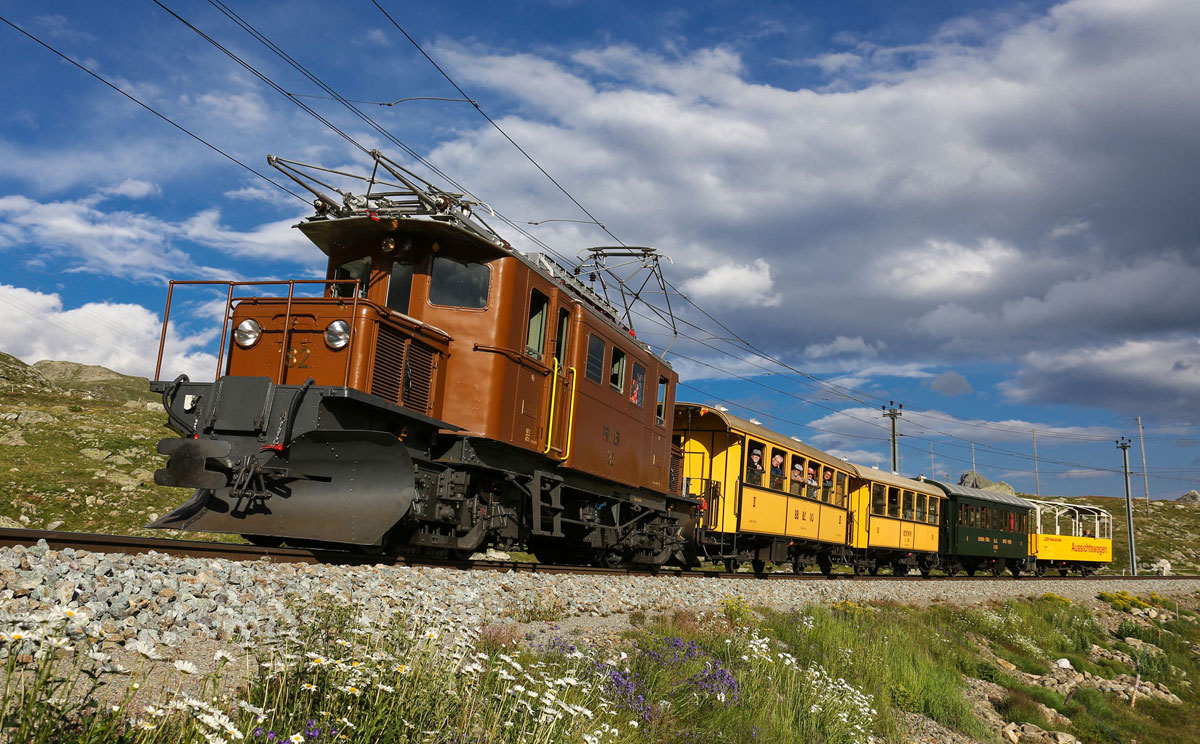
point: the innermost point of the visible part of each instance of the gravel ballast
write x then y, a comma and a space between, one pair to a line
170, 601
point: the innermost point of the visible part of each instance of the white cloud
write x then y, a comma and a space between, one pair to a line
133, 188
945, 268
843, 346
735, 285
120, 336
240, 110
278, 240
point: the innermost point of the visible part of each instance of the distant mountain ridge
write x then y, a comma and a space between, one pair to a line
49, 377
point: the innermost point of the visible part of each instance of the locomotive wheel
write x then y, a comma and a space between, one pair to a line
859, 568
925, 568
1015, 570
873, 569
609, 558
760, 567
731, 565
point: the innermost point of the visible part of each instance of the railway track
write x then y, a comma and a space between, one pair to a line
101, 543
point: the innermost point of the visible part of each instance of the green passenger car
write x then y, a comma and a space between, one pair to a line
984, 531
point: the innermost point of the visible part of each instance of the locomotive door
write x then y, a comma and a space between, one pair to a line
562, 387
529, 424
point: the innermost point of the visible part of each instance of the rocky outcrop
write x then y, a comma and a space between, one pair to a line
971, 479
1191, 497
17, 376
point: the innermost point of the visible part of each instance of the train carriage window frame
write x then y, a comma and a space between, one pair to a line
879, 499
839, 487
594, 370
358, 269
796, 487
758, 475
637, 385
906, 511
932, 516
919, 514
616, 369
400, 279
562, 333
893, 502
535, 334
660, 411
778, 482
460, 284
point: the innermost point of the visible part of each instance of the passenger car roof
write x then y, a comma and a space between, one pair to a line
981, 494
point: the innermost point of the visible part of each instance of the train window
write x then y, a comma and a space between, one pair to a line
400, 285
616, 370
934, 503
840, 489
796, 476
878, 499
359, 269
595, 359
778, 474
893, 501
535, 339
637, 383
920, 513
754, 463
560, 340
660, 412
456, 283
970, 515
908, 505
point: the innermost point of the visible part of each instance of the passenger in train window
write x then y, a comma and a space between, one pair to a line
813, 484
777, 470
754, 469
826, 483
812, 477
797, 479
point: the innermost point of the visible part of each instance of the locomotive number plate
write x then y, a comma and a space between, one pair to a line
298, 358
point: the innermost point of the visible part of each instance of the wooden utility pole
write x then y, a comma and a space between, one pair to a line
1037, 479
1123, 445
1145, 473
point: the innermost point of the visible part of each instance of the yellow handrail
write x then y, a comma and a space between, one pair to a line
571, 414
553, 395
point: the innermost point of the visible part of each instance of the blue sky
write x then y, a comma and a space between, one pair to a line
984, 211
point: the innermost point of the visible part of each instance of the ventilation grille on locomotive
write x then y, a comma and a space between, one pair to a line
402, 380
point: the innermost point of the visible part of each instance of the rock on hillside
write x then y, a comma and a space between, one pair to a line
17, 376
1191, 497
99, 382
971, 479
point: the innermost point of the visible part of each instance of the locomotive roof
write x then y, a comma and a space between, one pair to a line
982, 494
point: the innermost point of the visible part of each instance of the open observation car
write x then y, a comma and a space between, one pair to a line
440, 391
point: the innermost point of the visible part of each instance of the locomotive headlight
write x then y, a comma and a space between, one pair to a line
247, 333
337, 334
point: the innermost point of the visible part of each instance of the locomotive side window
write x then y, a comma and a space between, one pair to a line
934, 503
878, 499
616, 370
595, 359
400, 285
560, 341
637, 385
660, 412
358, 269
455, 283
535, 339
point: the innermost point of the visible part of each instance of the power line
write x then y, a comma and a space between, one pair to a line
152, 110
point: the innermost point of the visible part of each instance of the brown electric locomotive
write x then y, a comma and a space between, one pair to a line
440, 392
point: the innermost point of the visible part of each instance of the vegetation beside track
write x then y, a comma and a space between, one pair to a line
822, 674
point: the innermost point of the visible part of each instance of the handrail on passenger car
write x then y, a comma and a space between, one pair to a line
571, 414
553, 395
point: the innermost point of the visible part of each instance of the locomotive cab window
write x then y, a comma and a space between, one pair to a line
637, 384
560, 340
400, 286
455, 283
660, 412
359, 270
535, 338
616, 370
595, 359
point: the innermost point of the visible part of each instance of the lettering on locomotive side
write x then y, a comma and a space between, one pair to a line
1076, 548
298, 358
612, 436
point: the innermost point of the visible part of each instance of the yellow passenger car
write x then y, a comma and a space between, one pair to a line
769, 497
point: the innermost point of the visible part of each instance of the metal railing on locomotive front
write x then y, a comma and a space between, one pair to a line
287, 323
